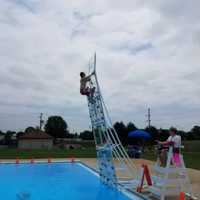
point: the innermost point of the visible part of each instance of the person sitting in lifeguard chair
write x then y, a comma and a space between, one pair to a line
84, 89
173, 140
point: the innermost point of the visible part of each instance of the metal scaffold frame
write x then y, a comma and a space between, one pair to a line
106, 136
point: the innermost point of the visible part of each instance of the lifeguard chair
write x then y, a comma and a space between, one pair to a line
171, 179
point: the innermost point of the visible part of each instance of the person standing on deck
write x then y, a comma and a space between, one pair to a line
173, 140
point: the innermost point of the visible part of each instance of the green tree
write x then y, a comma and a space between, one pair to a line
19, 134
2, 133
76, 135
2, 138
153, 131
86, 135
131, 127
56, 127
194, 134
8, 137
183, 134
122, 132
29, 129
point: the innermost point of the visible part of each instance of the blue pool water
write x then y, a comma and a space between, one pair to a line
55, 181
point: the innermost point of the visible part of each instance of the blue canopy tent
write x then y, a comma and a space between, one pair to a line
140, 137
139, 134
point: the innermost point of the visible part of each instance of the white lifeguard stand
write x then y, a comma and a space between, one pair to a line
172, 179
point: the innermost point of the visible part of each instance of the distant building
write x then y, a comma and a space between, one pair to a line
36, 139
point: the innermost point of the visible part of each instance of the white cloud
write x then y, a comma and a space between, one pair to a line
147, 55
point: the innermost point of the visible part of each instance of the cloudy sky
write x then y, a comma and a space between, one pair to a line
148, 55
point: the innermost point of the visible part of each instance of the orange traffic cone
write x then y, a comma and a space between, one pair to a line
182, 196
17, 161
72, 159
139, 189
145, 174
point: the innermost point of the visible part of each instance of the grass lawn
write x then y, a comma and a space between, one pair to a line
191, 154
191, 146
88, 152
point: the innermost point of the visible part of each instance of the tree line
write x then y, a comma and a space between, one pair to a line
123, 130
156, 133
57, 127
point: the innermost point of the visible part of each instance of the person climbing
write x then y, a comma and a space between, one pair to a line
84, 89
173, 140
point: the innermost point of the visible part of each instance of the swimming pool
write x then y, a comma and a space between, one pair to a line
54, 181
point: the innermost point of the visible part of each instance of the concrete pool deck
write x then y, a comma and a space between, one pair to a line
92, 162
193, 174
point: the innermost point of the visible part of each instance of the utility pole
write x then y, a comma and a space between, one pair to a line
41, 121
149, 117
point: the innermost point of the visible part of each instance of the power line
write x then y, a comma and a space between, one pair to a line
41, 121
149, 117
